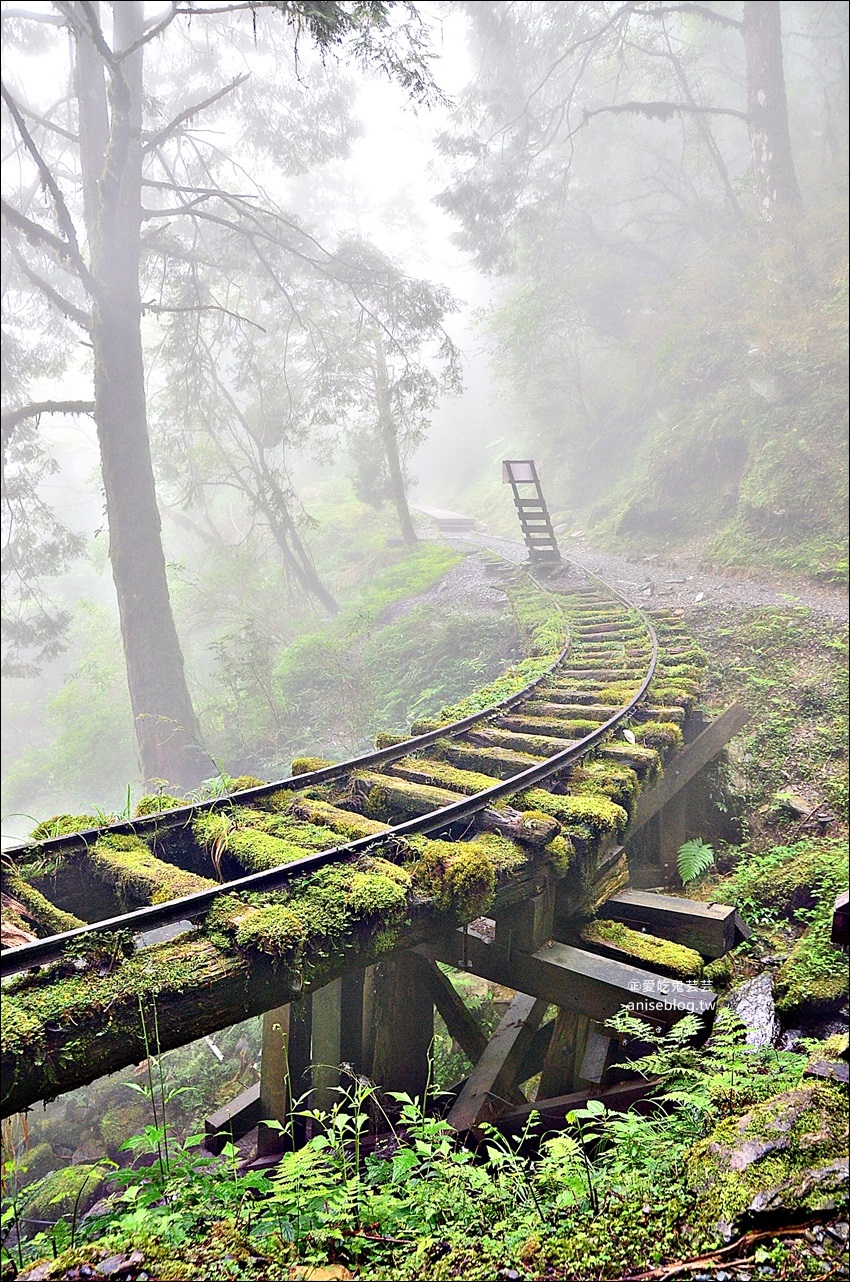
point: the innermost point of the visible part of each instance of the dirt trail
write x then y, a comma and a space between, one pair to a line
654, 580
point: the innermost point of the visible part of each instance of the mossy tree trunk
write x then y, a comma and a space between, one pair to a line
111, 147
773, 173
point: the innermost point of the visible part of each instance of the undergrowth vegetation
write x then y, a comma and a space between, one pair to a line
607, 1192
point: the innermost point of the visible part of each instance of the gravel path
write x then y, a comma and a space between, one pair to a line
678, 583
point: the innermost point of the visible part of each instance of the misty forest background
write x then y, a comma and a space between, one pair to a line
274, 273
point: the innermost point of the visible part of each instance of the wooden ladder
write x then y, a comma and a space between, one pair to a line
521, 475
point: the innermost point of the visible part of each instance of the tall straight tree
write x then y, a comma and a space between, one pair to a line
89, 267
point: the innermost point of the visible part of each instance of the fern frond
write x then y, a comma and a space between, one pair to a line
694, 859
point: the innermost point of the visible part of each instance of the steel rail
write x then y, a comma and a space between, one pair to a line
43, 951
181, 816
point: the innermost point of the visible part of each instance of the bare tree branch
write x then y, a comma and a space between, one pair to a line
192, 111
151, 32
48, 124
63, 213
698, 10
50, 18
13, 418
158, 308
62, 304
662, 110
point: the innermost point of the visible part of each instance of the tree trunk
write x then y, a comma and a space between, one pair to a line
390, 443
272, 503
166, 727
774, 176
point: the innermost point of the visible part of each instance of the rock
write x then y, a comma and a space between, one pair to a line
790, 1039
787, 1155
753, 1003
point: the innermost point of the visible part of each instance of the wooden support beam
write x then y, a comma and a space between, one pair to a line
233, 1120
672, 834
458, 1018
496, 1070
580, 981
327, 1045
351, 1043
552, 1112
711, 929
404, 1026
284, 1059
597, 1055
565, 1053
527, 925
687, 763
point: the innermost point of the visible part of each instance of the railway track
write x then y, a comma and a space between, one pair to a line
552, 767
458, 770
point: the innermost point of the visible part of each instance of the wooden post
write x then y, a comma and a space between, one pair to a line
351, 1044
565, 1054
283, 1060
493, 1077
527, 926
404, 1026
673, 830
368, 1051
327, 1030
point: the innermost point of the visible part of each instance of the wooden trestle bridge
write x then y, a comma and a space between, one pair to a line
496, 843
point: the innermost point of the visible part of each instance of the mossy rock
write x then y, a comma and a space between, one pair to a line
661, 954
72, 1190
813, 978
788, 1154
37, 1161
719, 972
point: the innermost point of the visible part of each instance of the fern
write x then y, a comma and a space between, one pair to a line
694, 859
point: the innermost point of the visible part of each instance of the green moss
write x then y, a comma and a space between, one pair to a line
155, 802
814, 975
459, 876
306, 765
666, 736
719, 972
426, 770
383, 739
73, 1189
560, 853
645, 761
259, 850
126, 863
46, 914
595, 812
345, 822
63, 825
673, 959
275, 930
606, 779
243, 782
374, 893
764, 1157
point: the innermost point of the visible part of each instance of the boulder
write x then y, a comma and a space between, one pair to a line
753, 1003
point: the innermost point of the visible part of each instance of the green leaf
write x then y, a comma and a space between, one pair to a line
694, 858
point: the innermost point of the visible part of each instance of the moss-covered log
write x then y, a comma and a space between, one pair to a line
63, 1030
127, 864
501, 763
613, 939
536, 744
50, 919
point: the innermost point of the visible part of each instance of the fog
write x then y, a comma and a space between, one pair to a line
364, 279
